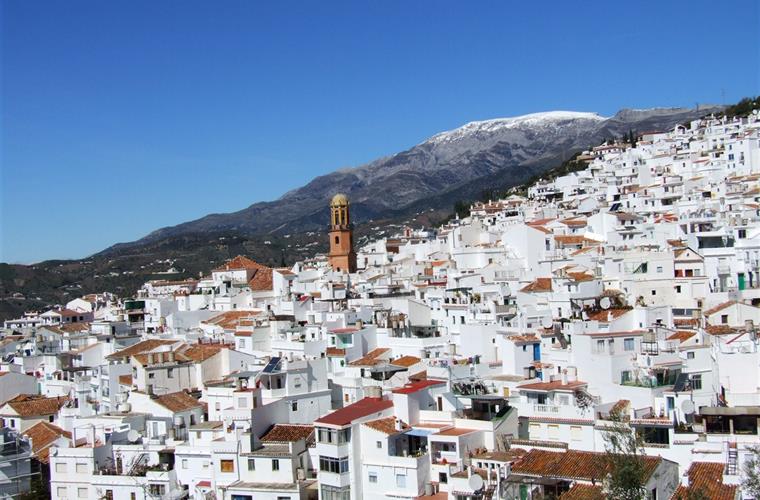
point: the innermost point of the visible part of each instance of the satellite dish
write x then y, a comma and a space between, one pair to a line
133, 436
546, 322
475, 482
605, 303
688, 407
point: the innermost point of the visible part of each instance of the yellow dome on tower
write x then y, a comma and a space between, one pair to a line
338, 200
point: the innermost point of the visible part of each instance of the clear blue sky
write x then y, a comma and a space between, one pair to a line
122, 117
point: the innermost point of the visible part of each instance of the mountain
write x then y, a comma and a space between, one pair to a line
452, 165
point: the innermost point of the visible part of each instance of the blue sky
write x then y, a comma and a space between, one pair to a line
122, 117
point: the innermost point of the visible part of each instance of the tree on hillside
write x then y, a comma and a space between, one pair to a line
626, 469
751, 472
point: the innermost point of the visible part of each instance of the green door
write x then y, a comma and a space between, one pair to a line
741, 281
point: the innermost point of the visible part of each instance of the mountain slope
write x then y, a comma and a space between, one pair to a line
456, 164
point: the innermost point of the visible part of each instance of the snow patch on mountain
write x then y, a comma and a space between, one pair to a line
533, 120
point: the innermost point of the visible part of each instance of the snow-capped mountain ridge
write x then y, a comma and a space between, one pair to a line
458, 164
535, 120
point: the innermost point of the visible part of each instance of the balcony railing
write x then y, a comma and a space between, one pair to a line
546, 409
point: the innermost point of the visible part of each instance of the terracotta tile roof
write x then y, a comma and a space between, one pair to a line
231, 319
413, 387
569, 239
580, 277
201, 352
682, 335
538, 285
523, 339
557, 385
605, 315
686, 322
362, 408
706, 478
574, 222
262, 280
582, 491
720, 330
43, 434
406, 361
387, 425
139, 348
178, 401
287, 433
344, 331
372, 358
28, 405
719, 307
572, 465
239, 263
335, 351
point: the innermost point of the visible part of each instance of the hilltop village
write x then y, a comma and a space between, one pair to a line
484, 359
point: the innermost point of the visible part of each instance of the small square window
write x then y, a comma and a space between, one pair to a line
373, 477
275, 464
379, 444
251, 464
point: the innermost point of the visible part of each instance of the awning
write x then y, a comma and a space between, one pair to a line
420, 432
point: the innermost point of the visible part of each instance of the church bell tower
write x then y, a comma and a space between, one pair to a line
342, 256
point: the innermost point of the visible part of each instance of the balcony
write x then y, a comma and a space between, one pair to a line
546, 409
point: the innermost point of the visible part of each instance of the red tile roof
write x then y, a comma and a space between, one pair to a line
140, 347
43, 434
571, 465
719, 307
372, 358
360, 409
335, 351
287, 433
707, 479
178, 401
28, 405
538, 285
557, 385
413, 387
406, 361
387, 425
582, 491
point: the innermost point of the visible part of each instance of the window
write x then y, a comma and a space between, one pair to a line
82, 468
170, 373
625, 376
600, 346
331, 436
294, 406
400, 480
184, 463
654, 292
535, 431
133, 496
696, 382
553, 431
337, 239
60, 467
334, 465
659, 269
690, 355
251, 464
678, 288
275, 464
373, 477
157, 490
627, 344
576, 433
379, 444
109, 495
82, 492
227, 466
724, 319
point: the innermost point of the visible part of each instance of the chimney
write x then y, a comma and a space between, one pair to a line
398, 424
150, 358
171, 356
